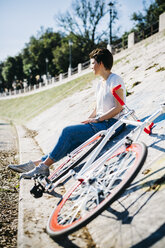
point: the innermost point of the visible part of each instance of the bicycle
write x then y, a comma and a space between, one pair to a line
100, 181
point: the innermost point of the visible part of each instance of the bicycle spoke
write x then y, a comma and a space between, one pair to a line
113, 175
75, 157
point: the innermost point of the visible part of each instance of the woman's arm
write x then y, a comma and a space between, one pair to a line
115, 110
109, 114
91, 117
93, 114
112, 112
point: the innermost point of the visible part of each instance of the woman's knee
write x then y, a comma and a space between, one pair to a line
67, 131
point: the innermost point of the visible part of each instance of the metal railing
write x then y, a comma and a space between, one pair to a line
48, 81
146, 32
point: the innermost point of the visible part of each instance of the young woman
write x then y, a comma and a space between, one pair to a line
105, 114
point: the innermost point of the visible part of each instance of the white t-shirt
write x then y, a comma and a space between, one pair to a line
104, 98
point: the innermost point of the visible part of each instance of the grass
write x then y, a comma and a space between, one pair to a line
161, 69
121, 59
136, 67
23, 109
136, 83
150, 67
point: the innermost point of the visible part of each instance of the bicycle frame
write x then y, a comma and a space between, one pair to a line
87, 168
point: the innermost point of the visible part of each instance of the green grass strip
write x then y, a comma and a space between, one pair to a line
23, 109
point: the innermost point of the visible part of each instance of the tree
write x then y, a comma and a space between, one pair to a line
19, 67
12, 70
85, 19
150, 16
81, 48
154, 11
38, 51
1, 77
50, 41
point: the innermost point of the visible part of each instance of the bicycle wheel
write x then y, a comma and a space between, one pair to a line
91, 196
76, 157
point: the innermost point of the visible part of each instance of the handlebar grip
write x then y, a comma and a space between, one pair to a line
116, 95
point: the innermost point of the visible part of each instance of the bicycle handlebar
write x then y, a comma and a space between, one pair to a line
116, 95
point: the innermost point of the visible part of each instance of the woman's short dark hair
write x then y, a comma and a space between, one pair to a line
103, 55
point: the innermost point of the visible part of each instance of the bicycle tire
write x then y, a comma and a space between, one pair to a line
62, 221
79, 154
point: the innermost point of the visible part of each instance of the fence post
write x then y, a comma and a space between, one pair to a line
162, 22
60, 77
69, 71
131, 39
79, 67
109, 47
53, 80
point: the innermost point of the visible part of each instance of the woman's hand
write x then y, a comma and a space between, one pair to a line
90, 120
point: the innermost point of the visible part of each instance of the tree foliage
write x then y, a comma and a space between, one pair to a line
39, 50
150, 16
80, 49
12, 70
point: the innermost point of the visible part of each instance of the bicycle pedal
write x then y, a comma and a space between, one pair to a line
37, 191
91, 181
128, 142
101, 193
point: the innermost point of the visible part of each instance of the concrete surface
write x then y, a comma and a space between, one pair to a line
34, 213
8, 136
137, 219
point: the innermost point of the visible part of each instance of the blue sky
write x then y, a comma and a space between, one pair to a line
20, 19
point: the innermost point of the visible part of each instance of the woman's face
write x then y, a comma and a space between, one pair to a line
95, 67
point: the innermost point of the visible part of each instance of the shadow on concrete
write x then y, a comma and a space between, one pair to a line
124, 216
159, 139
152, 238
65, 242
149, 186
160, 118
4, 124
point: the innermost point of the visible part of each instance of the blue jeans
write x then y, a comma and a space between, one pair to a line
73, 136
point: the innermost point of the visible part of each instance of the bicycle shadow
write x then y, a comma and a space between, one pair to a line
159, 137
149, 185
145, 185
65, 242
124, 217
153, 238
160, 118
